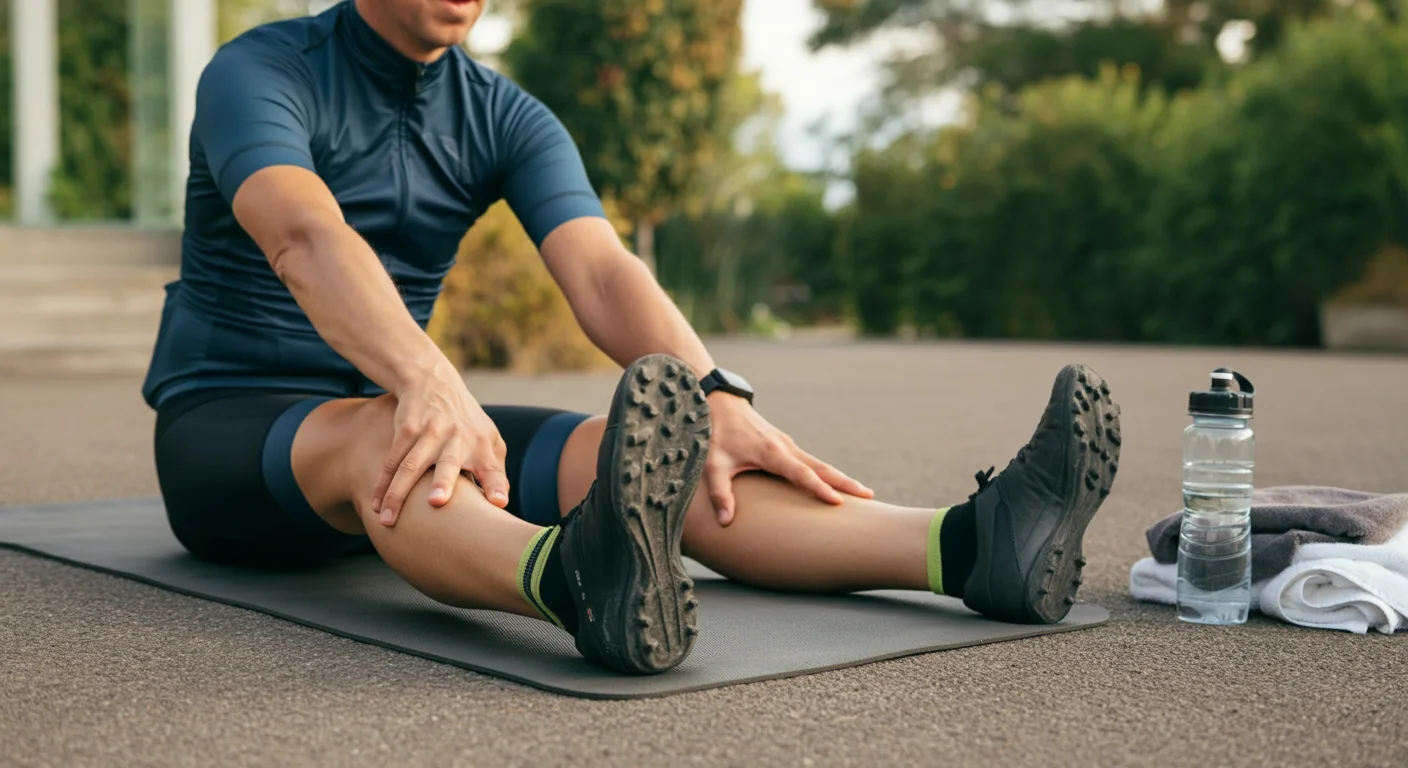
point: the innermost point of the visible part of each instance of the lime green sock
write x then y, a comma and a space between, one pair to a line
531, 566
935, 555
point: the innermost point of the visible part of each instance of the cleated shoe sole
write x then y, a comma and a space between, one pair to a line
621, 547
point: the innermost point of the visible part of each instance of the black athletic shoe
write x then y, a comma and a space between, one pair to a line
636, 611
1032, 517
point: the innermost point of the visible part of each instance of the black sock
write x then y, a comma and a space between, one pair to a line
958, 546
555, 593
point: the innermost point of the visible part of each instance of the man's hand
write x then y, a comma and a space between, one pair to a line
627, 315
743, 440
439, 423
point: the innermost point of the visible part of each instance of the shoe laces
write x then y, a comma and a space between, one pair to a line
984, 480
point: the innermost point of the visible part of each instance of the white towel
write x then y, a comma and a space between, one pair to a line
1350, 587
1155, 582
1339, 593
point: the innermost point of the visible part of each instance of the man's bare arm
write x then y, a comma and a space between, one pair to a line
615, 299
342, 286
627, 314
334, 275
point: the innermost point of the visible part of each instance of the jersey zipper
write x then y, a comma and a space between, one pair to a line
402, 140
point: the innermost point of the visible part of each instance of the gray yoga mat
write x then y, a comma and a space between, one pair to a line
746, 634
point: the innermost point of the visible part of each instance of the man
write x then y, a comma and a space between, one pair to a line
303, 413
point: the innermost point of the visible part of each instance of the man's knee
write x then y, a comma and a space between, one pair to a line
373, 431
340, 449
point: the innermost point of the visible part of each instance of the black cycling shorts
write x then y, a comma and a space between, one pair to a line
224, 462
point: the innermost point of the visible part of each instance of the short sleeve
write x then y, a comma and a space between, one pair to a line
251, 113
544, 179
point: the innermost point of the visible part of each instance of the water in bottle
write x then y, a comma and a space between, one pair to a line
1215, 544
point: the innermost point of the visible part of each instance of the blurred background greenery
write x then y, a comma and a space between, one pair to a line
1209, 172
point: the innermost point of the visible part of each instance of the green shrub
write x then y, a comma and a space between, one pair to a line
1098, 209
886, 231
501, 309
718, 265
1278, 191
1020, 223
93, 180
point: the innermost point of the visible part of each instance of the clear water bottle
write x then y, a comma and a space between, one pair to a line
1215, 542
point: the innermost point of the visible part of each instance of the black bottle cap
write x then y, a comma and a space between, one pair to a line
1222, 400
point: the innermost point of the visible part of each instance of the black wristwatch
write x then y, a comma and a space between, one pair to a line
727, 381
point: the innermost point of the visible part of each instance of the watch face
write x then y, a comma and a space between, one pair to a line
736, 381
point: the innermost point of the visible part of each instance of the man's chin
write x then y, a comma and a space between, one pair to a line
447, 37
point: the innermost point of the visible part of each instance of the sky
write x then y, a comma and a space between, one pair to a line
829, 86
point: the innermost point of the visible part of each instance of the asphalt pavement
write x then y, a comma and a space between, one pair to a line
97, 670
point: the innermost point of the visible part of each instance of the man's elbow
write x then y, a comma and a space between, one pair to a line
631, 268
296, 240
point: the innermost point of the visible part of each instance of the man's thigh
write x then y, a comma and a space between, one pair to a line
223, 463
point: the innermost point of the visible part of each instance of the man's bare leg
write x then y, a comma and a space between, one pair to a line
464, 554
1029, 521
1019, 555
629, 603
783, 537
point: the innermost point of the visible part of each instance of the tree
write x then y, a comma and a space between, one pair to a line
639, 84
1015, 57
1019, 42
957, 30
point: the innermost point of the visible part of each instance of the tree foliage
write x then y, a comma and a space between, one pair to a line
639, 84
1018, 56
93, 180
1103, 210
1279, 190
501, 309
753, 231
1018, 42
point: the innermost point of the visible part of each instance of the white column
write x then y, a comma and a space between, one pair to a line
193, 33
36, 108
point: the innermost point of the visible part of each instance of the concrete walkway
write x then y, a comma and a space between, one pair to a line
97, 670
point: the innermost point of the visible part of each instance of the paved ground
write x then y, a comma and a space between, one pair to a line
97, 670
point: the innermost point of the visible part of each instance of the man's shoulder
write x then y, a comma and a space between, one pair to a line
284, 41
486, 83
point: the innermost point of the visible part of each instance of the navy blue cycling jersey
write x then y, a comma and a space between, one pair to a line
414, 154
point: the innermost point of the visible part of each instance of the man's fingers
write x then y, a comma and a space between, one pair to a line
719, 480
447, 472
491, 474
837, 479
400, 446
495, 484
407, 473
803, 476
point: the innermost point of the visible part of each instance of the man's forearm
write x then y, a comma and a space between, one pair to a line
629, 316
341, 285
